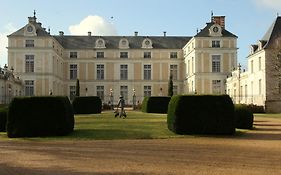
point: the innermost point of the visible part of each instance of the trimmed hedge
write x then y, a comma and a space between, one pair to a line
87, 105
255, 108
244, 117
155, 104
40, 116
3, 118
201, 114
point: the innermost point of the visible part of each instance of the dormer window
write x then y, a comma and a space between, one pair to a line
215, 30
100, 43
147, 44
124, 43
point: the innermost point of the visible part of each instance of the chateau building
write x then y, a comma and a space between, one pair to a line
261, 84
132, 66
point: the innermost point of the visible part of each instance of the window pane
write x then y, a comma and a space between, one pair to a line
73, 55
216, 86
72, 91
216, 63
29, 43
147, 72
100, 72
123, 54
216, 44
124, 92
100, 92
73, 71
147, 91
29, 63
123, 72
173, 55
147, 55
174, 71
29, 87
100, 54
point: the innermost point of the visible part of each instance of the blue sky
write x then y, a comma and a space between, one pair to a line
248, 19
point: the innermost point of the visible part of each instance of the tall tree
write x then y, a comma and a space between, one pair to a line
170, 86
77, 88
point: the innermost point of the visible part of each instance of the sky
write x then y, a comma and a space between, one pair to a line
248, 19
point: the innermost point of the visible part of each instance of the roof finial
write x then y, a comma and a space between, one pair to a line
49, 30
34, 13
212, 15
277, 14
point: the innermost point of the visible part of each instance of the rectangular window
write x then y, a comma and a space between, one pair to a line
124, 92
29, 63
216, 86
174, 71
147, 72
123, 54
29, 87
216, 63
259, 63
124, 72
100, 72
73, 71
29, 43
279, 87
147, 55
100, 92
72, 92
73, 54
100, 54
216, 44
173, 55
147, 91
246, 91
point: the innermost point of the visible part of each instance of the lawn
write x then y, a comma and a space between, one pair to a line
105, 126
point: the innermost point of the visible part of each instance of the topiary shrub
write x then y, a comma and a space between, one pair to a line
40, 116
201, 114
155, 104
3, 118
244, 117
87, 105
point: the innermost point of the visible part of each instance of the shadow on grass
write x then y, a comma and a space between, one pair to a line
108, 134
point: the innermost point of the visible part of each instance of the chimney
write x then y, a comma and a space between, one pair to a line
220, 20
165, 33
89, 33
61, 33
136, 33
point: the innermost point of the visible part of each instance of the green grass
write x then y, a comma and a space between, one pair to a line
105, 126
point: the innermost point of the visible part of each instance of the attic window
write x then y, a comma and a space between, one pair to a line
100, 43
123, 43
147, 43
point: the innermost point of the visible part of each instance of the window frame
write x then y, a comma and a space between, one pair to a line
29, 63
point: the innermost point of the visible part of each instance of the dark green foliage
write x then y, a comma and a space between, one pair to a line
170, 86
3, 118
255, 108
156, 104
201, 114
87, 105
77, 93
244, 117
40, 116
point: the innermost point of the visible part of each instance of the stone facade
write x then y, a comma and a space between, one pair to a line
260, 85
132, 66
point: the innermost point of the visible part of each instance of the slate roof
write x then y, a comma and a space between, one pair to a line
205, 32
272, 33
39, 30
112, 42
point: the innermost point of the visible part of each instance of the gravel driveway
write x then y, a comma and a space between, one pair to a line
255, 152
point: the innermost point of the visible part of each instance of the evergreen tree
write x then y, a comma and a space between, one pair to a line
77, 88
170, 86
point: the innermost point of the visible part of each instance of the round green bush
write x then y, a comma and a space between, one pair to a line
201, 114
87, 105
40, 116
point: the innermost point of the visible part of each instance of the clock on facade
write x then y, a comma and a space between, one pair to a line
215, 29
29, 28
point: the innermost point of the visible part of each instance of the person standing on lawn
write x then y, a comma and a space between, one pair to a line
121, 104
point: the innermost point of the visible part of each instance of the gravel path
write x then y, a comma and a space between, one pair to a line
256, 152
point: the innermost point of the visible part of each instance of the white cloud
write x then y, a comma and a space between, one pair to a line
95, 24
8, 29
272, 4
